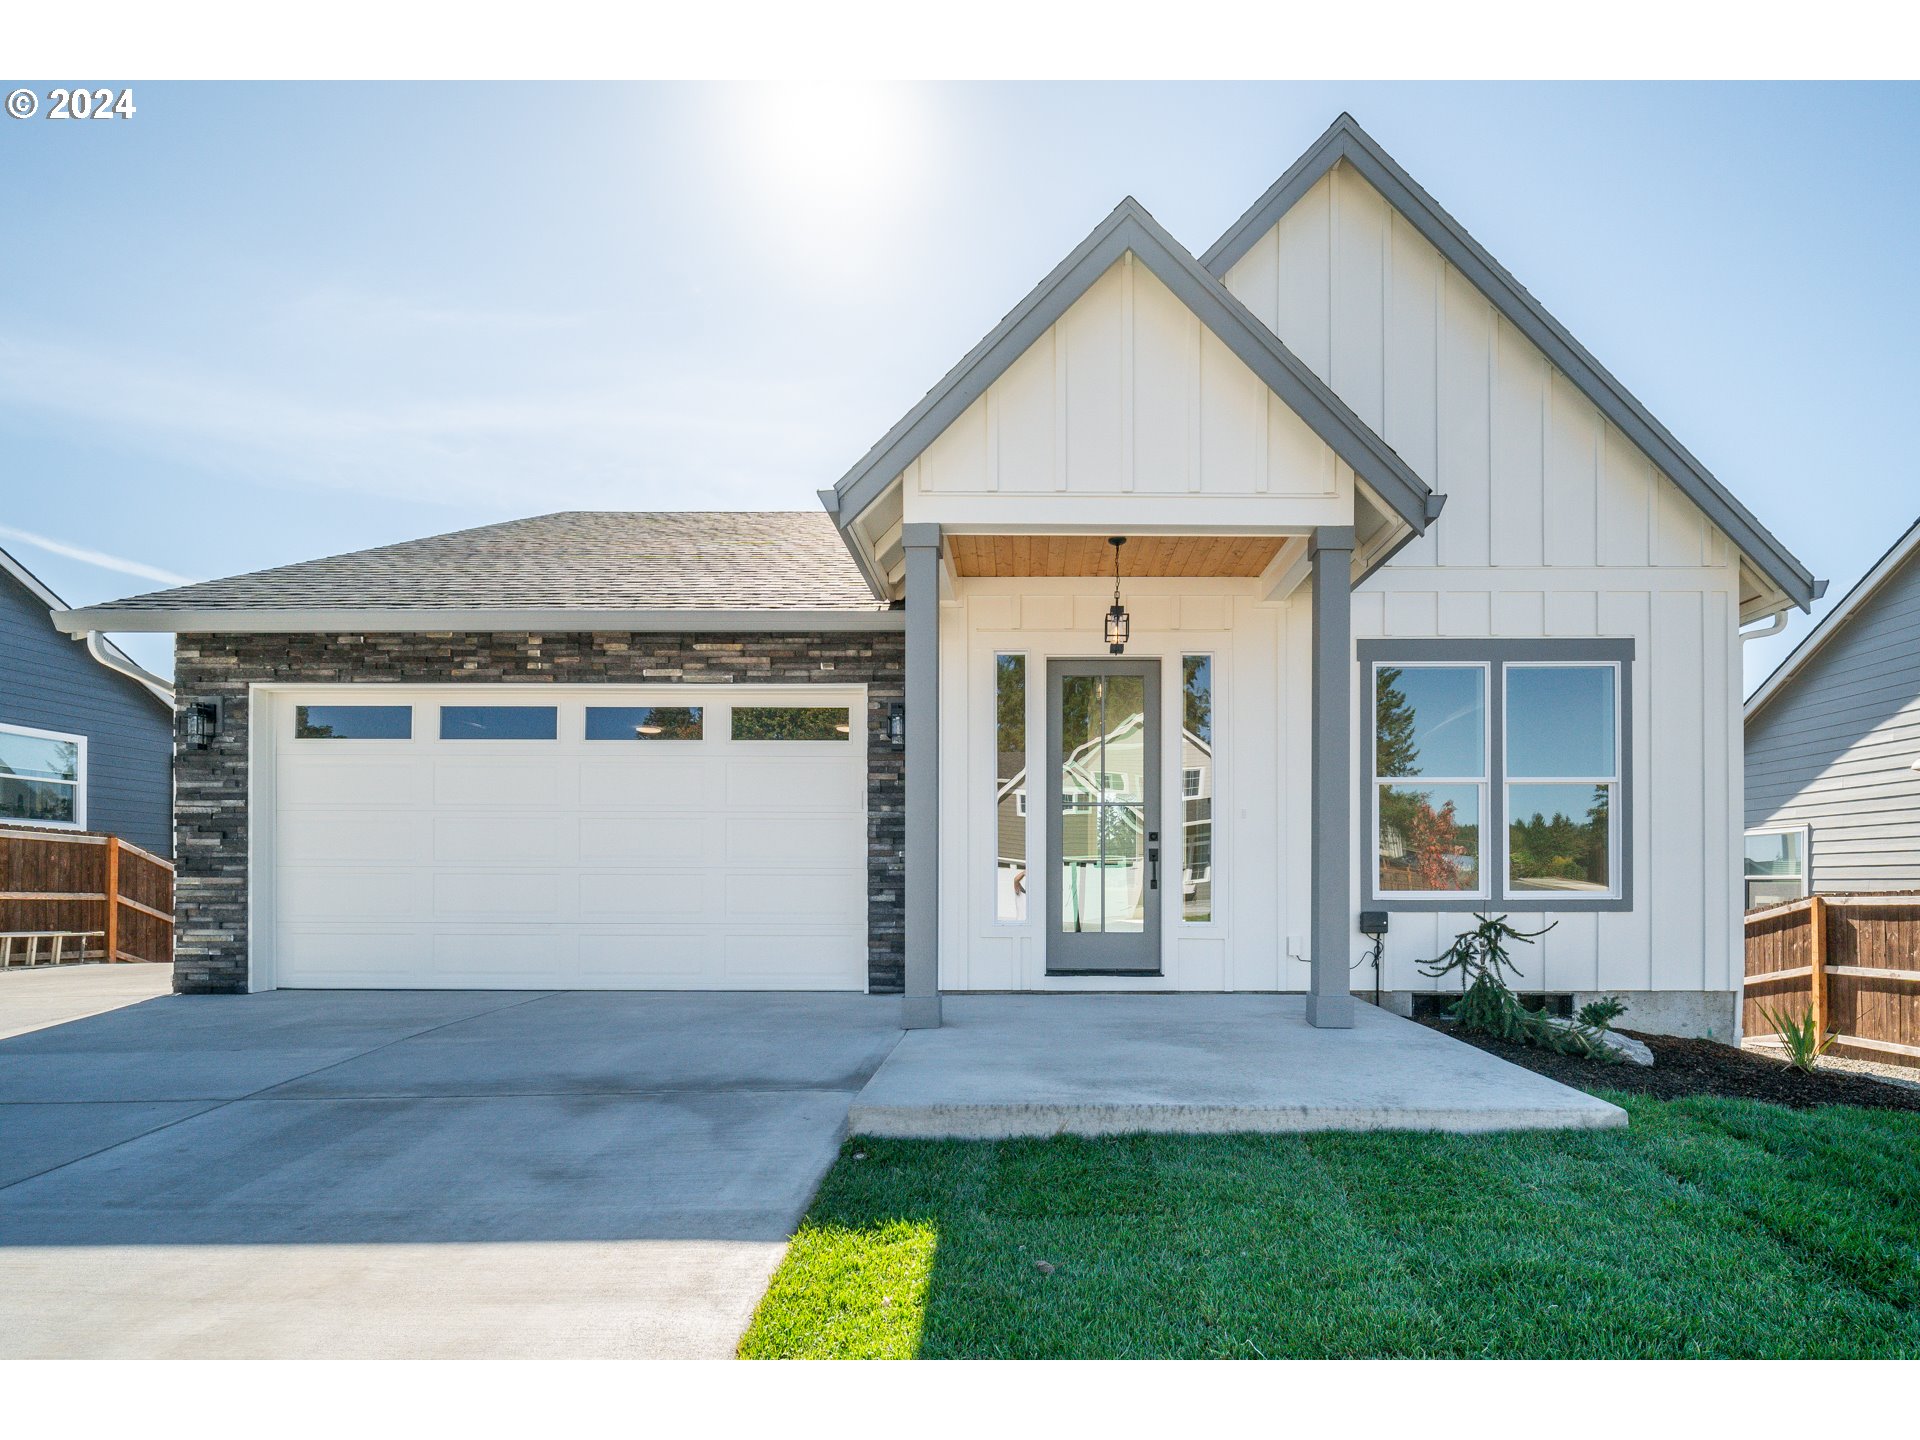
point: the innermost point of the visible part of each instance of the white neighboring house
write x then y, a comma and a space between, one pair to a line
1463, 618
1833, 746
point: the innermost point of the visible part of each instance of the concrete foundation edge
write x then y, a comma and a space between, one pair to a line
1694, 1014
1008, 1122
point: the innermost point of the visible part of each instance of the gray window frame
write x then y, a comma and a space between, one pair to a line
1496, 655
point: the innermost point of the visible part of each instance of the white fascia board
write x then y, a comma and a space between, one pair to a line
402, 621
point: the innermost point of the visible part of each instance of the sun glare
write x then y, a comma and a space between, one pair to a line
840, 141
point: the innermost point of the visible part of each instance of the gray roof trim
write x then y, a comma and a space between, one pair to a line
1130, 227
865, 563
1345, 140
191, 621
109, 654
1864, 589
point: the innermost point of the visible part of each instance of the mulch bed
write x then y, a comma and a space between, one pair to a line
1701, 1067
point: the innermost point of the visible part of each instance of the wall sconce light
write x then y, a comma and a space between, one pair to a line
198, 725
897, 725
1119, 624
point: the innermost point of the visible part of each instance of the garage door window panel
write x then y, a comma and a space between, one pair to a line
644, 722
792, 722
353, 722
499, 722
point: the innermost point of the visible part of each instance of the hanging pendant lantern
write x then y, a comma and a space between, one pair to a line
1119, 624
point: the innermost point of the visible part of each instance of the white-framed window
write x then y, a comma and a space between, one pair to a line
1190, 783
1560, 738
1776, 864
1498, 773
1020, 803
1432, 747
43, 777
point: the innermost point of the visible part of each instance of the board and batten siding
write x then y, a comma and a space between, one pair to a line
1834, 750
1129, 410
1261, 778
1555, 525
48, 681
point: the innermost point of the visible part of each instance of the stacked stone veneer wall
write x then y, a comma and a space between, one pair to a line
210, 786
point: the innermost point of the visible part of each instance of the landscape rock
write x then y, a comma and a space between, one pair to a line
1624, 1047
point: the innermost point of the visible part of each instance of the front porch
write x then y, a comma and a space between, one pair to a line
1166, 815
1003, 1066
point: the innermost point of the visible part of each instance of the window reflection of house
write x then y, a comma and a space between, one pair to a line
1010, 864
1196, 802
1092, 798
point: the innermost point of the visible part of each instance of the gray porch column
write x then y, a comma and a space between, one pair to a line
1330, 991
920, 1009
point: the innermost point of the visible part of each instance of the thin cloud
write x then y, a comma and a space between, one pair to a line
98, 558
653, 439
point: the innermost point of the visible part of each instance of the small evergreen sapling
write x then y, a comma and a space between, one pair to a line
1488, 1006
1600, 1014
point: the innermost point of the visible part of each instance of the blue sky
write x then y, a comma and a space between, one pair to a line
260, 323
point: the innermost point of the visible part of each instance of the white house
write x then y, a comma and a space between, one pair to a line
1461, 617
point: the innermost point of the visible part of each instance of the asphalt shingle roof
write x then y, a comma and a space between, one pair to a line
587, 560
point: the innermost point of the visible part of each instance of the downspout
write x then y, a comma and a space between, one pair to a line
1776, 622
101, 650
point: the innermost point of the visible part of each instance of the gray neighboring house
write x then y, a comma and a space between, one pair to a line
86, 735
1833, 747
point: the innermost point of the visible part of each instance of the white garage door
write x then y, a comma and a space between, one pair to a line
543, 837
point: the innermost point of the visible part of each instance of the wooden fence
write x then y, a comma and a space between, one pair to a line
116, 898
1853, 960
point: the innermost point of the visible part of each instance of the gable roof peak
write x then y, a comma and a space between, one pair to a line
1130, 228
1345, 140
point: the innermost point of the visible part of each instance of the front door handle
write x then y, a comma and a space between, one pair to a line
1153, 861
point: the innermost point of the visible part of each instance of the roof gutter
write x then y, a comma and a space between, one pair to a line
332, 621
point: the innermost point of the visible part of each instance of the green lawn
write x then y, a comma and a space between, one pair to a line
1709, 1228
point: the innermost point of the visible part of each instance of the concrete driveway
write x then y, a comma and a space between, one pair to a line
413, 1173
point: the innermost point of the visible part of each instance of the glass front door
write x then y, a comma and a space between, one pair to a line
1103, 816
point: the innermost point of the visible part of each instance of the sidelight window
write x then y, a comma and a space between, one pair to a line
1197, 885
1010, 787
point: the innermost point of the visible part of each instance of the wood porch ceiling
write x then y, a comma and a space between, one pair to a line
1167, 555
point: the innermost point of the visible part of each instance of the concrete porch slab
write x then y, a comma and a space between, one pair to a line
1028, 1065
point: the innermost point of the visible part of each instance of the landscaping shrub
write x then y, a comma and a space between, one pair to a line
1803, 1042
1489, 1006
